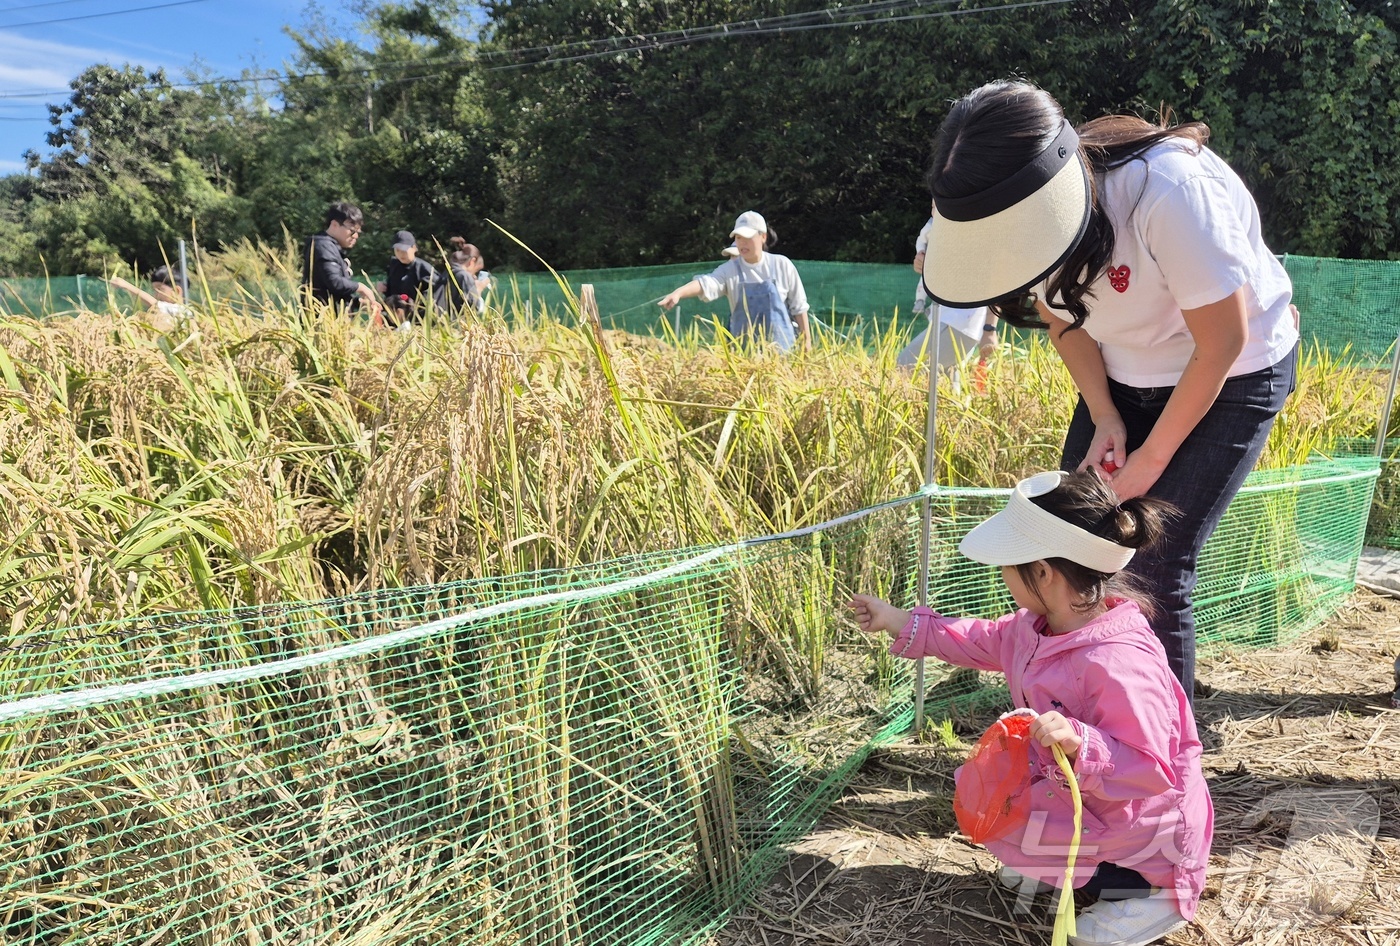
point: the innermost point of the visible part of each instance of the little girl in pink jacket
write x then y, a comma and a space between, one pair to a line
1082, 659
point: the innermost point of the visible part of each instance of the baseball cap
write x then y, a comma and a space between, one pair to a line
749, 223
403, 240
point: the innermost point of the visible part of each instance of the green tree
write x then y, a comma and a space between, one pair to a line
651, 152
1301, 98
394, 125
125, 179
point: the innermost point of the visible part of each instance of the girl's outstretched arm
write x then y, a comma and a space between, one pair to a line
966, 642
875, 615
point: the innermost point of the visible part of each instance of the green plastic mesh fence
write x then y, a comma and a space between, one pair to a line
1345, 303
1348, 304
1351, 304
610, 754
845, 295
38, 297
1383, 525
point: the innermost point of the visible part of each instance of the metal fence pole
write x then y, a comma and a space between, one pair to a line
184, 276
1389, 399
935, 331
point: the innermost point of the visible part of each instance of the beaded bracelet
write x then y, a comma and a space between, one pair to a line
913, 633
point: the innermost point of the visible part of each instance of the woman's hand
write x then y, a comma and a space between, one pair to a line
1136, 476
670, 300
1053, 729
1110, 438
987, 344
919, 263
874, 615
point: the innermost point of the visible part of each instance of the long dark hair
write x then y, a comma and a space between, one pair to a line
1087, 501
995, 130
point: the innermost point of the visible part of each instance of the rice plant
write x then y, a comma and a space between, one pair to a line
488, 780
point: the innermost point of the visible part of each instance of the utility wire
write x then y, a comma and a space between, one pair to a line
848, 17
614, 43
26, 7
648, 43
95, 16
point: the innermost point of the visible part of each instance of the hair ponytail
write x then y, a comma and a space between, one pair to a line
1087, 501
1137, 523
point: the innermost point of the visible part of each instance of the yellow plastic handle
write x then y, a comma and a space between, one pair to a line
1064, 911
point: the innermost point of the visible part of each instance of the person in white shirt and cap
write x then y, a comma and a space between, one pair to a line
766, 297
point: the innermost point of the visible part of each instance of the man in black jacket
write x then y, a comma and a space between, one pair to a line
328, 277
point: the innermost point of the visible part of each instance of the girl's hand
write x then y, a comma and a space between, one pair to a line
874, 615
1051, 729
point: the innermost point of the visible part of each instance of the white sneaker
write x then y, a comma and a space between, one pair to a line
1127, 922
1015, 880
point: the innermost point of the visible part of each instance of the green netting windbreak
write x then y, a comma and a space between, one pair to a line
1344, 303
839, 293
1285, 553
40, 297
1347, 303
598, 755
609, 754
1383, 526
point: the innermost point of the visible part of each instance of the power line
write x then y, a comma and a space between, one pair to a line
95, 16
838, 17
648, 43
47, 3
735, 28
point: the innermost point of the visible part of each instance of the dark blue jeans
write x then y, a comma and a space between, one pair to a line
1203, 476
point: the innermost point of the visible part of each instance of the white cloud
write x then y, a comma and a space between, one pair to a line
28, 64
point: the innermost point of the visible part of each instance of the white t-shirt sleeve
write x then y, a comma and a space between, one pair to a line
921, 244
797, 294
1198, 241
717, 283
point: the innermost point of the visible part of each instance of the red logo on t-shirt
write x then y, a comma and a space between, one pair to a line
1118, 277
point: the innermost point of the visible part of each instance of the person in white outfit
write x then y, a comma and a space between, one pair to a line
766, 296
963, 331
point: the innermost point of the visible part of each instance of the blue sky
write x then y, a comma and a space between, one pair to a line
224, 36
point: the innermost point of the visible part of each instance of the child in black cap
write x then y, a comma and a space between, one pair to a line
410, 282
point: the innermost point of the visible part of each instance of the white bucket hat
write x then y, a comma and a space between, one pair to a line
749, 223
1005, 239
729, 252
1023, 533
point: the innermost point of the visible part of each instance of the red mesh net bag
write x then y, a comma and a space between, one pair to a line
991, 798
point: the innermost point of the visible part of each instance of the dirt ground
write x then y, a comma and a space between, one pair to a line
1303, 761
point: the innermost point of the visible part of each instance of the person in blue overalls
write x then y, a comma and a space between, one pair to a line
766, 298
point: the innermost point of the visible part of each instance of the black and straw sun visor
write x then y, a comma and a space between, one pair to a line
1005, 239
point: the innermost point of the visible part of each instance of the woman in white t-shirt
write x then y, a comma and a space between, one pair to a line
766, 297
962, 331
1141, 250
